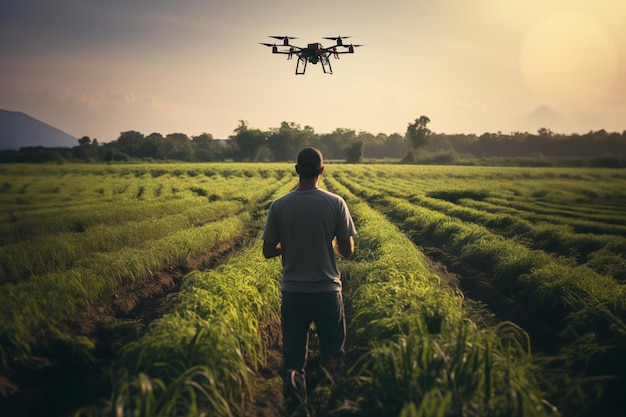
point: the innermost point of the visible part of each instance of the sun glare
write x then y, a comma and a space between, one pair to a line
569, 59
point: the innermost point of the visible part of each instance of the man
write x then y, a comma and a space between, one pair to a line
306, 226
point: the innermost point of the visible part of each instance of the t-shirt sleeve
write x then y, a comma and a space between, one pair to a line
270, 232
345, 226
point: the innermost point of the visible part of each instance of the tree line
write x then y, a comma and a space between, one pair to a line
418, 144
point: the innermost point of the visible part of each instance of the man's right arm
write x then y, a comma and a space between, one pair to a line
271, 250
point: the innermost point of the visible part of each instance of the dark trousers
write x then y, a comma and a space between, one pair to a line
325, 309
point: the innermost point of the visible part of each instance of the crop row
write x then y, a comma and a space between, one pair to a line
60, 251
52, 271
82, 200
200, 358
417, 350
586, 308
424, 354
586, 225
576, 214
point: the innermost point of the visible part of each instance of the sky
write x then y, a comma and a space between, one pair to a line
98, 68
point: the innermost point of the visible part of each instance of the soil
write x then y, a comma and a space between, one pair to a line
492, 305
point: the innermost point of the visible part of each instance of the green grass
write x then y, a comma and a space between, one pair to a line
423, 354
99, 235
71, 236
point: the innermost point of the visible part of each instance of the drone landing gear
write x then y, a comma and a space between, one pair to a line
326, 65
302, 62
298, 70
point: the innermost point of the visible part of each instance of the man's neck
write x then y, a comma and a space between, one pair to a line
307, 184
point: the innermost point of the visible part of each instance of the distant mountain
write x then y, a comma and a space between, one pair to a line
18, 130
544, 116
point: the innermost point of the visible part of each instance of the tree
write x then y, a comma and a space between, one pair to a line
286, 141
86, 150
417, 135
248, 142
179, 147
335, 144
354, 153
130, 142
207, 149
371, 145
153, 147
84, 141
545, 132
115, 155
395, 146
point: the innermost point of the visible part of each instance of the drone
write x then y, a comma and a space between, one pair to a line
313, 53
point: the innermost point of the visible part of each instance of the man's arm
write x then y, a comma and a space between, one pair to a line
345, 246
271, 250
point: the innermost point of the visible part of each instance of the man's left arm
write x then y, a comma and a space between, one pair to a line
344, 241
345, 246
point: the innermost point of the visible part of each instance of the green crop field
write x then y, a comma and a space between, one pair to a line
474, 291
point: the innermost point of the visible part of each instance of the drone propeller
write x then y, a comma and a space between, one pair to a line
285, 39
267, 44
338, 39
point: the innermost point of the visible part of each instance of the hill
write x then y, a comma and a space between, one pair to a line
18, 130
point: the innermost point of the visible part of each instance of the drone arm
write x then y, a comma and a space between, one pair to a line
349, 51
292, 50
336, 53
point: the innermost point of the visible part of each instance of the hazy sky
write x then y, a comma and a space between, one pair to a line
97, 68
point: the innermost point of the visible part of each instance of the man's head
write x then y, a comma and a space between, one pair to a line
310, 163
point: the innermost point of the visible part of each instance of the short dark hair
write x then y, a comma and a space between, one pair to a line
307, 173
310, 162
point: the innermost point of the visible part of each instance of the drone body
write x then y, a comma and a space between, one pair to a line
313, 52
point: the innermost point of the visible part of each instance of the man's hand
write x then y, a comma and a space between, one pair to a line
271, 250
344, 247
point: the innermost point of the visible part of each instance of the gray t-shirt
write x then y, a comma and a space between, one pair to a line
305, 223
